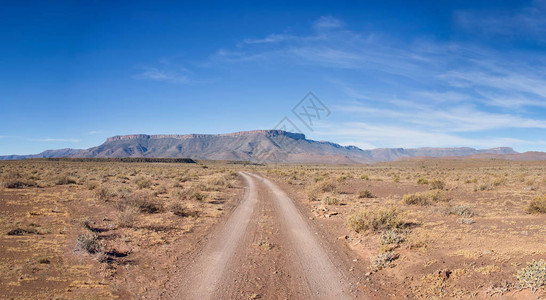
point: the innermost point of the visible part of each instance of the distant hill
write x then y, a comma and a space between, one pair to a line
258, 146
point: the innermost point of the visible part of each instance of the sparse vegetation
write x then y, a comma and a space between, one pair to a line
89, 242
384, 260
533, 276
365, 194
374, 219
425, 198
464, 211
537, 205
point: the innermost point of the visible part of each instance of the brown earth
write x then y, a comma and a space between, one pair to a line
204, 231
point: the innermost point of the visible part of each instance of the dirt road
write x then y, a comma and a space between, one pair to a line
265, 249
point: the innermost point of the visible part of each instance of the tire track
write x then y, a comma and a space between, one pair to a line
323, 278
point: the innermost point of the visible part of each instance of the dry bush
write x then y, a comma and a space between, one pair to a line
437, 184
330, 201
144, 202
422, 181
461, 210
537, 205
14, 180
127, 217
365, 194
102, 194
89, 242
326, 187
192, 193
143, 183
313, 194
425, 198
64, 180
182, 211
374, 219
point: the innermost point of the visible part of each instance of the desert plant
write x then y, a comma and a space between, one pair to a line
326, 186
64, 180
384, 259
374, 219
422, 181
437, 184
127, 217
145, 203
392, 236
461, 210
425, 198
537, 205
143, 183
533, 276
330, 201
14, 180
89, 242
365, 194
182, 211
102, 194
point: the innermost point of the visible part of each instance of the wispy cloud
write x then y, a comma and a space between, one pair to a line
378, 136
57, 140
156, 74
527, 22
327, 22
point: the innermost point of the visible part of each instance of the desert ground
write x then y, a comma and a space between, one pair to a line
430, 228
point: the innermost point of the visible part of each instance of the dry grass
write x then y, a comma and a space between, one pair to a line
372, 220
537, 205
425, 198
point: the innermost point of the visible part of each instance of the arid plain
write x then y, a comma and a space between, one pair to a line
407, 229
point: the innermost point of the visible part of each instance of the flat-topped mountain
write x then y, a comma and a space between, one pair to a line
256, 146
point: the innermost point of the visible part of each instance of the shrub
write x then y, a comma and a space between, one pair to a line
312, 194
392, 236
385, 259
127, 217
65, 179
365, 194
143, 183
533, 276
14, 180
326, 187
145, 203
89, 242
182, 211
364, 177
422, 181
374, 219
461, 210
102, 194
537, 205
425, 198
330, 201
437, 184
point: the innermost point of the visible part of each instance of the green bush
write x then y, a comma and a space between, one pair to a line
533, 276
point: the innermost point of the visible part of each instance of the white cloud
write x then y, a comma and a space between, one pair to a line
396, 136
527, 22
57, 140
327, 22
163, 75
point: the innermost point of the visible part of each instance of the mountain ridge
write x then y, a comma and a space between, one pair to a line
276, 146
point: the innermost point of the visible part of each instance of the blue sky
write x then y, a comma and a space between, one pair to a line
392, 73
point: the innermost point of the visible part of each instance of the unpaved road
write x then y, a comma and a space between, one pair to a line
265, 249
